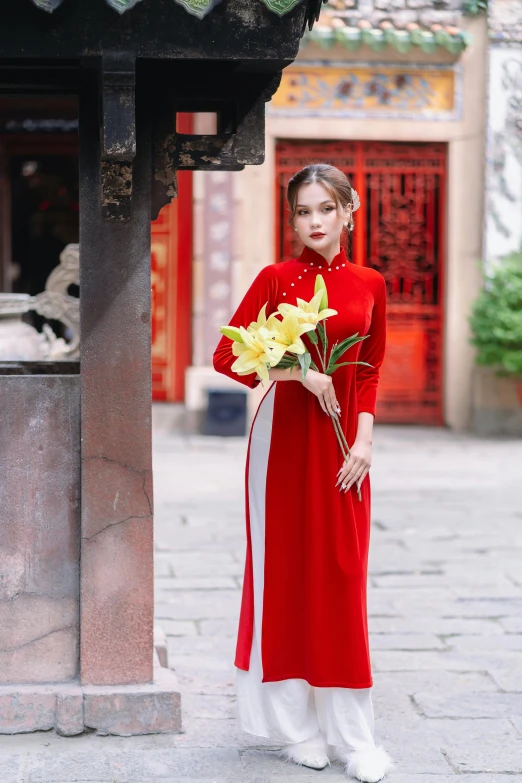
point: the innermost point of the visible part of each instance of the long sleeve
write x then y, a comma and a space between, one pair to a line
262, 290
372, 351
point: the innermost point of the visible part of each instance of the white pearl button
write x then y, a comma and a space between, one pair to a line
329, 269
284, 293
305, 270
292, 283
300, 277
337, 267
343, 264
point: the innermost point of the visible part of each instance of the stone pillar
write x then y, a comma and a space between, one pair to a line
116, 520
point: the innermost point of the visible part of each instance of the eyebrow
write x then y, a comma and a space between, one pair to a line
327, 201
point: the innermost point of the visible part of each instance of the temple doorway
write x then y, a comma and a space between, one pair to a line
400, 232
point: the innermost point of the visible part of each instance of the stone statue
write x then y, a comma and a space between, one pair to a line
20, 341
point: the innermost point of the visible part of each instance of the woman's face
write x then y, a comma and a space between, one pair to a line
318, 220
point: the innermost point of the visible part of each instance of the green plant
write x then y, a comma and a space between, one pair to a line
496, 318
475, 7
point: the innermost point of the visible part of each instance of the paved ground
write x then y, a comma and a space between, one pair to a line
445, 607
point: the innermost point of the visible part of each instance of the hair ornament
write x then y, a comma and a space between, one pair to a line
356, 201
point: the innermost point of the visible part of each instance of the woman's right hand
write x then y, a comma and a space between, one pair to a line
322, 386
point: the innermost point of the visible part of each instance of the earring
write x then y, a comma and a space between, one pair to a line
346, 223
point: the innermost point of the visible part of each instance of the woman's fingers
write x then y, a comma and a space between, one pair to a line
354, 471
356, 477
333, 400
322, 404
346, 470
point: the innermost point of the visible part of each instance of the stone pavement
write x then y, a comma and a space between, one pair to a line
445, 603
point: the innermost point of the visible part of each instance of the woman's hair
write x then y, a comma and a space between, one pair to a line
332, 179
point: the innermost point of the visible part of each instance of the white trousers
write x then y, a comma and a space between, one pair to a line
291, 710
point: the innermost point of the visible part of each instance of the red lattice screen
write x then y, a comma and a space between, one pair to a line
399, 230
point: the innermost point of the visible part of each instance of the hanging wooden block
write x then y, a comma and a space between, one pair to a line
199, 8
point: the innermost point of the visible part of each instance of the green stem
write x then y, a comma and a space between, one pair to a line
343, 444
340, 434
325, 344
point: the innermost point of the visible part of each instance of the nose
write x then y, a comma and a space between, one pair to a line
316, 221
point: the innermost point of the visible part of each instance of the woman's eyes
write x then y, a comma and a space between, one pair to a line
305, 211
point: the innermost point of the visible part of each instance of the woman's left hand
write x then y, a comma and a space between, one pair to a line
356, 467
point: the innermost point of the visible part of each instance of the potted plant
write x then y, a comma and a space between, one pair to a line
496, 321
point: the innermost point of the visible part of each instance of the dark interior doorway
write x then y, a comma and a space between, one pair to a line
39, 210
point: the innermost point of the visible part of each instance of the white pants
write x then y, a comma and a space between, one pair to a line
290, 711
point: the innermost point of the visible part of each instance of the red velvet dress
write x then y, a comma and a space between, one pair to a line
314, 620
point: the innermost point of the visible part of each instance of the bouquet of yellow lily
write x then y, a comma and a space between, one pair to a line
276, 342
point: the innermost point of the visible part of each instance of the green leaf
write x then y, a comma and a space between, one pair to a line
305, 360
313, 336
322, 334
287, 361
335, 367
496, 318
344, 345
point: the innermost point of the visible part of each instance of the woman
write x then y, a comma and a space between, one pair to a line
303, 667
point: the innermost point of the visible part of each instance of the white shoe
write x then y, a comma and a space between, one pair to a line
368, 765
310, 753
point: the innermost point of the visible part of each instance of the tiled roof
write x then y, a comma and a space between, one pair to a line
341, 22
201, 8
454, 40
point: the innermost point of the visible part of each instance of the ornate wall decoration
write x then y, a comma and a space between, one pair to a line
315, 89
503, 232
218, 244
281, 7
48, 5
122, 5
199, 8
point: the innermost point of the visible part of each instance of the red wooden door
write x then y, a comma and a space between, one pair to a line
399, 230
171, 281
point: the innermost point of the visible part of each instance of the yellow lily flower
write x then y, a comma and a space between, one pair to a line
256, 352
234, 332
261, 321
308, 312
287, 333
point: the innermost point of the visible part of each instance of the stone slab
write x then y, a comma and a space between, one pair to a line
39, 498
69, 714
470, 705
131, 766
136, 709
70, 708
484, 745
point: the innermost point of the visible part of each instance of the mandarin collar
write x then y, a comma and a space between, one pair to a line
312, 257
